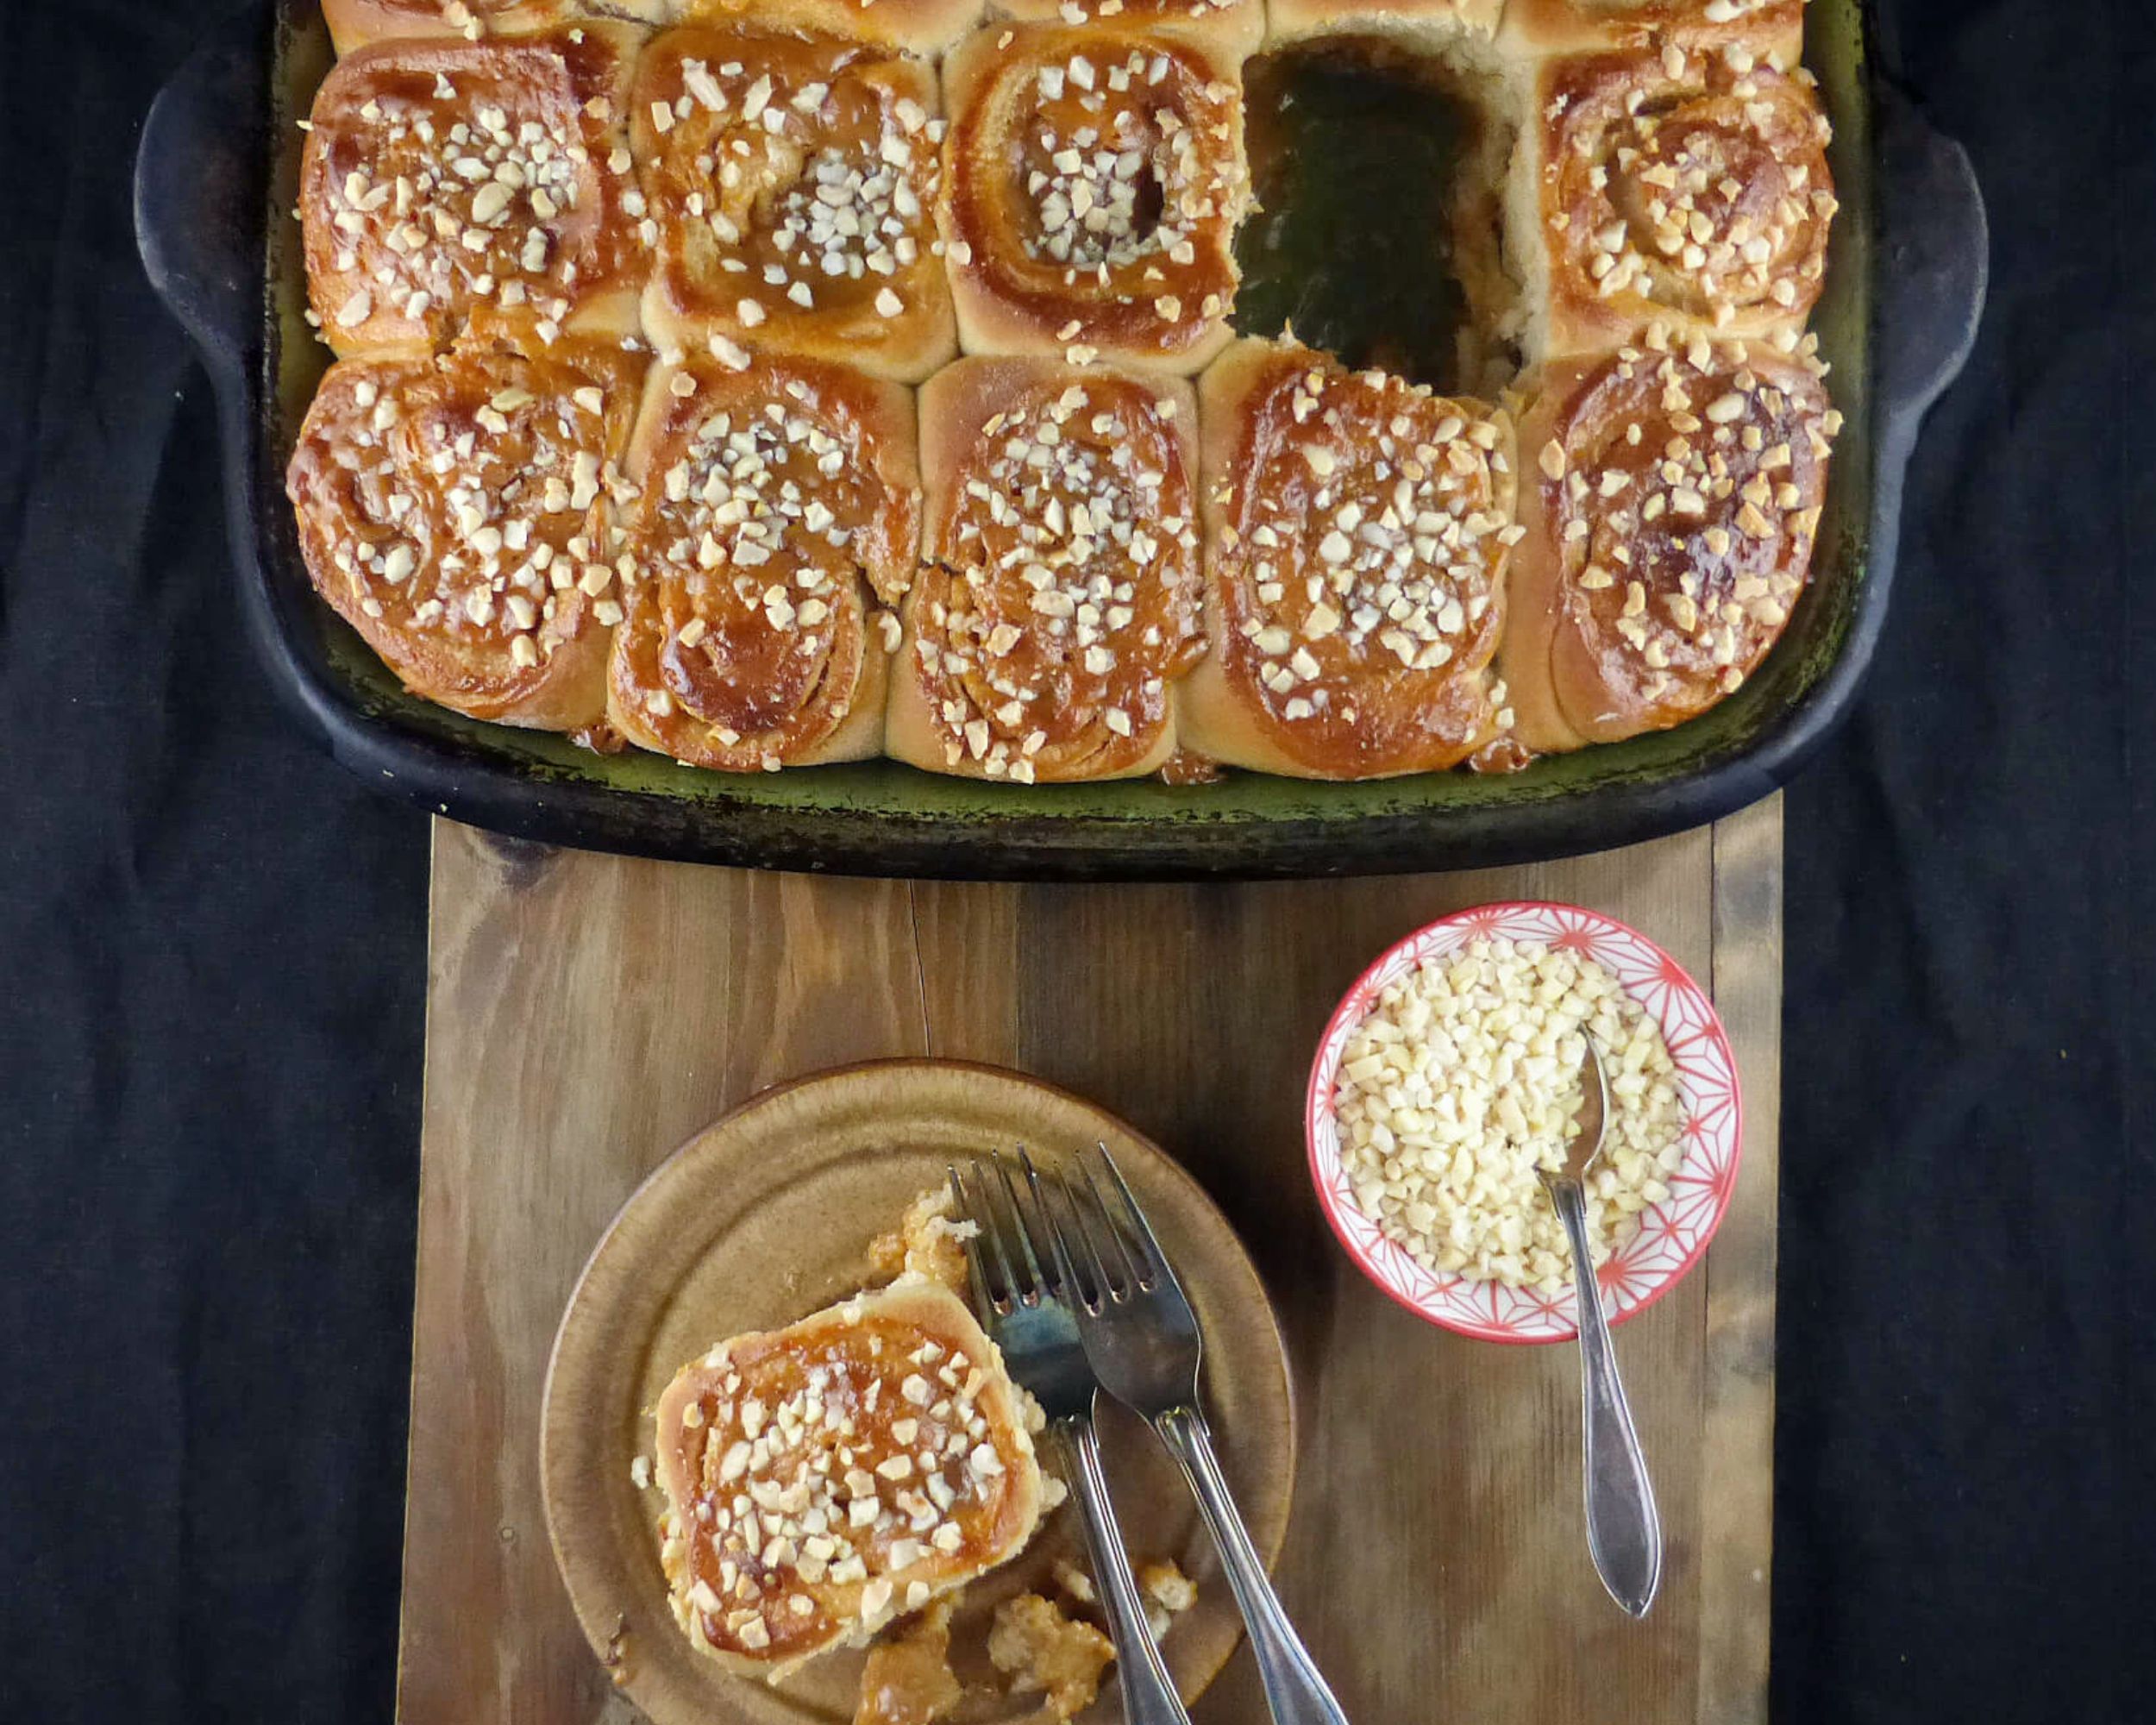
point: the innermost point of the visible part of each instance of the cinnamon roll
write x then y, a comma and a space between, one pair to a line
355, 23
777, 511
1058, 595
790, 181
456, 512
1773, 29
920, 27
1093, 182
448, 184
1685, 186
1670, 498
827, 1477
1434, 25
1234, 27
1356, 532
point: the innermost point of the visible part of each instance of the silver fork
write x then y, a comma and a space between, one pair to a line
1142, 1338
1038, 1337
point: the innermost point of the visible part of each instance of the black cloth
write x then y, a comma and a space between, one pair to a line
211, 959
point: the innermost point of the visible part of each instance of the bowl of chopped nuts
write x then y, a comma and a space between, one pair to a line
1449, 1076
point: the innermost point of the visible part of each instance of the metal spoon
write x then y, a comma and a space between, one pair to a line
1624, 1531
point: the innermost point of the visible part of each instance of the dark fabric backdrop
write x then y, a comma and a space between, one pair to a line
212, 954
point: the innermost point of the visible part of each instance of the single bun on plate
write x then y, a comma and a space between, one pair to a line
790, 182
449, 184
453, 509
1356, 532
1772, 29
825, 1479
1671, 499
1058, 593
355, 23
921, 27
1674, 186
777, 511
1092, 181
1234, 27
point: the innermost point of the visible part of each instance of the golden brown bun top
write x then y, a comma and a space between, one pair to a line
1093, 183
1236, 26
355, 23
447, 182
452, 507
766, 495
785, 465
917, 26
1365, 524
1682, 492
1060, 591
1773, 28
1687, 183
791, 178
837, 1472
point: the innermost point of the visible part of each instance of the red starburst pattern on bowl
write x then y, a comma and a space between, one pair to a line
1672, 1235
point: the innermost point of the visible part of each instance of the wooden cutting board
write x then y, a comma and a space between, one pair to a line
587, 1013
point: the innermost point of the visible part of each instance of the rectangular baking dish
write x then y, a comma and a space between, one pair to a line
214, 185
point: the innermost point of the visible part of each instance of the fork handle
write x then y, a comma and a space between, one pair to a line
1293, 1689
1148, 1694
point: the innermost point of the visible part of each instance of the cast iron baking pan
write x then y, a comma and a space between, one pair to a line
213, 189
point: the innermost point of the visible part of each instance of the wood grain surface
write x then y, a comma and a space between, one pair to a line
587, 1013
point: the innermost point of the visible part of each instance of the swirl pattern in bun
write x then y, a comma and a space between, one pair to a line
777, 511
1671, 497
1058, 595
1774, 29
448, 185
1674, 186
1356, 532
457, 511
790, 182
1094, 179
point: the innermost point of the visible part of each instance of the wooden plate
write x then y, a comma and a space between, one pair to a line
766, 1216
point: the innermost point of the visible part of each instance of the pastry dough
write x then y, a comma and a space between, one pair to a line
1093, 182
454, 184
1058, 595
452, 509
1669, 187
1357, 532
776, 514
825, 1479
355, 23
1772, 29
790, 182
1670, 498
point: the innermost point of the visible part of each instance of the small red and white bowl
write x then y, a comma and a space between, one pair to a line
1672, 1235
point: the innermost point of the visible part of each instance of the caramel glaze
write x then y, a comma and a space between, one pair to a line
456, 183
1684, 503
450, 508
1683, 184
790, 195
778, 510
1094, 178
1359, 567
833, 1475
1061, 594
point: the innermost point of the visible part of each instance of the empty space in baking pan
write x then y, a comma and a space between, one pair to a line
1379, 173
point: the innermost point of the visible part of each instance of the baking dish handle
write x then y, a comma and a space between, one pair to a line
1935, 255
199, 191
